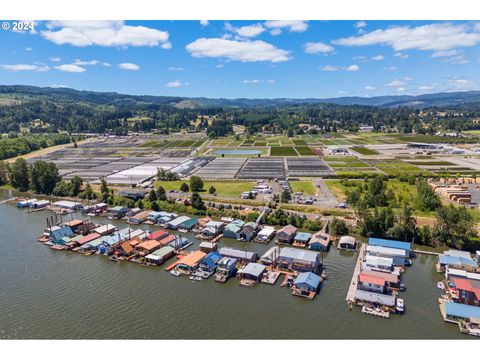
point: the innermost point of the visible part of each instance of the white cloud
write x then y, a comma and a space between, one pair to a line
435, 37
29, 48
399, 83
58, 86
128, 66
256, 81
24, 67
176, 84
390, 68
83, 63
426, 88
220, 66
204, 22
353, 68
276, 26
341, 92
55, 59
369, 88
317, 48
360, 24
401, 55
166, 45
103, 33
444, 53
377, 58
461, 84
72, 68
244, 51
250, 30
106, 64
175, 68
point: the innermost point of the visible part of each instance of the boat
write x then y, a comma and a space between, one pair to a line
324, 274
408, 262
175, 272
399, 305
370, 310
183, 231
114, 258
402, 287
195, 278
441, 285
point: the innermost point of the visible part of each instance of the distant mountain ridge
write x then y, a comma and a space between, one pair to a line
113, 98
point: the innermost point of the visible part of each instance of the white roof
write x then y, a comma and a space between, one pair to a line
266, 231
207, 244
388, 300
374, 261
382, 250
297, 254
254, 269
458, 253
271, 254
214, 224
461, 273
179, 220
347, 240
104, 228
66, 204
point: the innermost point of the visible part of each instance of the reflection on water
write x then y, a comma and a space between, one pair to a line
50, 294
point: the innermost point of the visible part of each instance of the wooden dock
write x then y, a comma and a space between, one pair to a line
353, 283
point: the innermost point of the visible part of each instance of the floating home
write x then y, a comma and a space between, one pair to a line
58, 236
180, 242
26, 203
320, 241
377, 263
212, 229
147, 247
117, 212
306, 285
299, 260
248, 231
394, 244
157, 235
465, 291
83, 240
362, 297
74, 224
208, 264
271, 255
456, 262
347, 243
461, 274
399, 256
39, 204
139, 218
188, 225
133, 212
265, 235
159, 256
240, 255
286, 234
106, 229
391, 280
252, 273
226, 268
190, 262
301, 239
127, 248
371, 283
66, 205
458, 313
175, 223
233, 229
208, 247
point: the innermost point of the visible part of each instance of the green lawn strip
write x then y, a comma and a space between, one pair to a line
304, 150
224, 188
283, 151
307, 187
364, 150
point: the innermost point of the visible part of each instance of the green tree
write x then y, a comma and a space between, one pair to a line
161, 194
197, 202
43, 177
338, 227
19, 178
77, 183
426, 199
4, 173
406, 227
184, 188
212, 190
286, 196
454, 226
154, 206
196, 183
152, 196
88, 192
103, 186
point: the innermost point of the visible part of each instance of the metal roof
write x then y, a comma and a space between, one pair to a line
301, 255
178, 221
390, 243
309, 279
462, 310
160, 253
382, 250
241, 254
253, 269
302, 236
388, 300
455, 260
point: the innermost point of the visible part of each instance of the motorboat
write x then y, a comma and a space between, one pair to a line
175, 272
399, 305
441, 285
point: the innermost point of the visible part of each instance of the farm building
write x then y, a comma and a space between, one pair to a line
320, 241
347, 243
286, 234
160, 255
299, 260
265, 235
241, 255
248, 232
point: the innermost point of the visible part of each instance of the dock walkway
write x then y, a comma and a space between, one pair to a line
353, 283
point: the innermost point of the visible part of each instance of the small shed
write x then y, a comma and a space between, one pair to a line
252, 271
248, 232
301, 239
208, 247
307, 282
286, 234
347, 242
320, 241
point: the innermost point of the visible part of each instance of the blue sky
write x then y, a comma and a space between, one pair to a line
253, 59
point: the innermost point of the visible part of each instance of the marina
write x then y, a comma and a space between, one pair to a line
147, 285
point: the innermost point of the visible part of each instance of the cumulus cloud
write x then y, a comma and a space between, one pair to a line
175, 68
377, 58
369, 88
444, 53
352, 67
244, 51
461, 84
176, 84
204, 22
55, 59
276, 26
24, 67
29, 48
71, 68
317, 48
399, 83
435, 37
360, 24
250, 30
128, 66
104, 33
390, 68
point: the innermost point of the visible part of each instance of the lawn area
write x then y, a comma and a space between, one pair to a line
306, 187
364, 150
224, 188
299, 142
283, 151
304, 150
395, 168
344, 162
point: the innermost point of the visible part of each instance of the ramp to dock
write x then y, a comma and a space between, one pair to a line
356, 272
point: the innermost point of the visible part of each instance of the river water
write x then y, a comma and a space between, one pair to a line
46, 294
